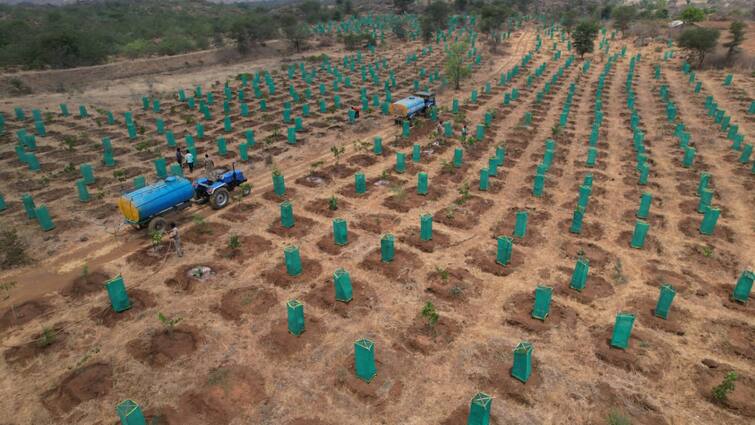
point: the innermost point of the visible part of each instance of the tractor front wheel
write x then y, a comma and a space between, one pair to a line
219, 198
158, 225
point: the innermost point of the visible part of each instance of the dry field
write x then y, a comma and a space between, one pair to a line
230, 359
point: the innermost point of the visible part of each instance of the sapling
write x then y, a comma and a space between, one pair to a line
398, 192
616, 418
200, 224
450, 211
337, 152
430, 314
722, 390
447, 167
618, 272
314, 166
556, 130
464, 192
333, 203
442, 272
169, 323
5, 287
384, 175
234, 242
47, 338
156, 237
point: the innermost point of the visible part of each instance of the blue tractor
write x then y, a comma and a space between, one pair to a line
150, 205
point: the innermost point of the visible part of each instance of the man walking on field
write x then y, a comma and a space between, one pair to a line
175, 239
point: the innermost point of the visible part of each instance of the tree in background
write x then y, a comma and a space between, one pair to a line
584, 37
460, 5
737, 31
698, 42
402, 6
692, 14
399, 30
492, 17
454, 66
434, 18
311, 10
251, 29
295, 32
623, 16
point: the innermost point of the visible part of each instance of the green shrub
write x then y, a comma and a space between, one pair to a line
725, 387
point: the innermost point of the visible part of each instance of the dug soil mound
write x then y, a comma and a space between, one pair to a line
162, 347
87, 383
248, 300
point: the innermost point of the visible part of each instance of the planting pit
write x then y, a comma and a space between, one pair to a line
279, 343
591, 229
302, 226
735, 338
140, 301
598, 256
690, 227
237, 302
518, 309
536, 220
203, 233
188, 277
21, 314
87, 383
603, 400
386, 387
485, 260
452, 286
240, 212
644, 309
277, 275
164, 346
22, 355
323, 296
378, 223
464, 214
86, 283
321, 206
250, 246
151, 255
645, 354
439, 240
595, 288
423, 338
399, 270
404, 200
497, 379
328, 245
314, 179
741, 401
271, 196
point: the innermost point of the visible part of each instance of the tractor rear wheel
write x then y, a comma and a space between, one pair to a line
219, 198
158, 225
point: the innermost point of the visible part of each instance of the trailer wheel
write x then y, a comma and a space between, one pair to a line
219, 198
158, 225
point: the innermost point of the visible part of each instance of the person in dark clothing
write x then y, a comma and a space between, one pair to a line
179, 157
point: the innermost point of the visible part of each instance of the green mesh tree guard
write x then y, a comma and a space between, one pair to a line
587, 180
542, 306
360, 185
576, 221
664, 301
139, 182
484, 179
43, 218
29, 206
622, 330
377, 145
706, 196
293, 260
222, 147
426, 227
3, 205
200, 130
176, 170
170, 138
743, 287
479, 409
522, 368
480, 132
422, 183
708, 225
640, 231
455, 106
645, 201
644, 174
387, 248
400, 162
405, 129
592, 155
584, 196
537, 188
116, 292
249, 134
342, 284
416, 153
448, 129
744, 158
130, 413
279, 185
689, 157
39, 127
87, 173
32, 161
291, 135
83, 113
500, 154
243, 152
520, 228
295, 310
364, 359
160, 168
64, 110
298, 124
287, 215
340, 231
579, 277
503, 252
458, 157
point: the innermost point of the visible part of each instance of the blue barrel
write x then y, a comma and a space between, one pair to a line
141, 205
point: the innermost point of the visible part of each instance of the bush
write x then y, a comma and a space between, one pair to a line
692, 14
724, 388
137, 48
12, 250
698, 42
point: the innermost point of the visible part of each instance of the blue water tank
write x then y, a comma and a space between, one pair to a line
142, 204
408, 105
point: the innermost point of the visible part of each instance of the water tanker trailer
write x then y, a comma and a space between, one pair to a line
409, 107
150, 205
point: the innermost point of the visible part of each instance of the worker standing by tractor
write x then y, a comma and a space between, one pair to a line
209, 167
175, 239
190, 160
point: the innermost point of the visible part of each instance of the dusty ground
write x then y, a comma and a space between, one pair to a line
230, 359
